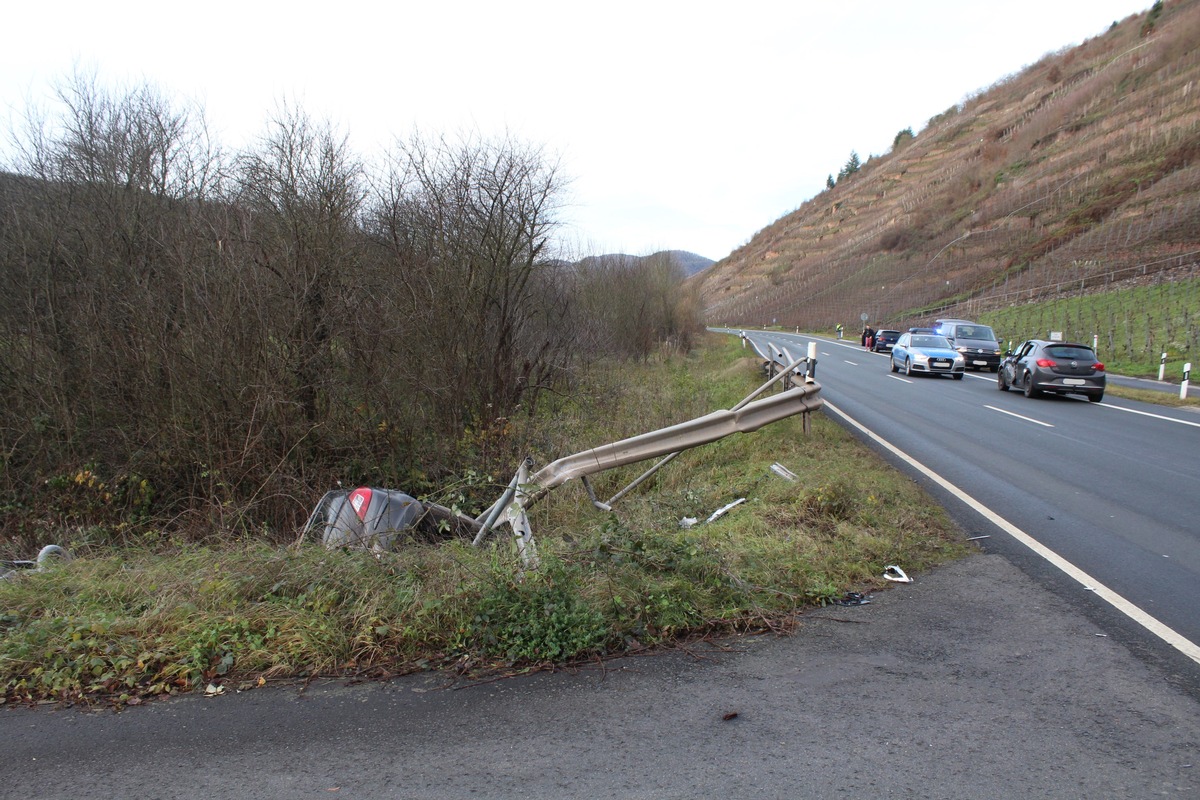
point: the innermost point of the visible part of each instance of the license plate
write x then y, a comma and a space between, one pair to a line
979, 363
1074, 381
947, 364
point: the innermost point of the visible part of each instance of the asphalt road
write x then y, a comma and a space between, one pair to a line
1112, 488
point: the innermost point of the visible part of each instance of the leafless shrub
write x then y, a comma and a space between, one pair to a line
215, 341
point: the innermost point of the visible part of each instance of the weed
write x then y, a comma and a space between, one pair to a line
536, 617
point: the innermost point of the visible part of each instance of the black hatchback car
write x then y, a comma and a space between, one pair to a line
1038, 366
884, 339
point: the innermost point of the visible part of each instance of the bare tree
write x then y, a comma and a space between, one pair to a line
303, 189
468, 228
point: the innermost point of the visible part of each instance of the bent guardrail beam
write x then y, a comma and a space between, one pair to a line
747, 416
677, 438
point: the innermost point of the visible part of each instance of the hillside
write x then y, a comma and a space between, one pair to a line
1080, 172
689, 263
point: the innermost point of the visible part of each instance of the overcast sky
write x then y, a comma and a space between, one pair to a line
682, 125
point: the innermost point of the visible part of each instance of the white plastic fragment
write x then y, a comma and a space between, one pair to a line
784, 472
723, 509
688, 522
894, 573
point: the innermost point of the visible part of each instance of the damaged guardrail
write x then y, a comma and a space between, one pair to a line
14, 569
372, 518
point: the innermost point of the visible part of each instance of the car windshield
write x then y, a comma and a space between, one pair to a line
930, 341
978, 332
1070, 352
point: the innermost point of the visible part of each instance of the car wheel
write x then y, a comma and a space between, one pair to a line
1029, 390
892, 361
908, 366
1000, 382
958, 376
1095, 398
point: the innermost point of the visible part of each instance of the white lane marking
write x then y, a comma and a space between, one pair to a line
851, 363
1147, 414
1018, 416
1162, 631
898, 378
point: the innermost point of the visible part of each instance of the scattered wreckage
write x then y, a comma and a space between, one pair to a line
377, 519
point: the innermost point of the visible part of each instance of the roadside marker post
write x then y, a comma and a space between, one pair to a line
1187, 374
1162, 367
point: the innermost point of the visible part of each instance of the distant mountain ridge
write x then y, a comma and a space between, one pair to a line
690, 263
1083, 170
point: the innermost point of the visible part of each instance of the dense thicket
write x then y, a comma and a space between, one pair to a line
206, 341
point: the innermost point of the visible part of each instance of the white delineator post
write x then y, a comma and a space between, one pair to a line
1162, 367
1187, 374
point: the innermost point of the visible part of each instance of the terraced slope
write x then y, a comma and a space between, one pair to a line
1081, 171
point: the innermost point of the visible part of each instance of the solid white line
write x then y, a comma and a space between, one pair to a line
1018, 416
1148, 414
1164, 632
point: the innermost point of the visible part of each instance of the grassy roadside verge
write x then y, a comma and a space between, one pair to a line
1171, 399
120, 626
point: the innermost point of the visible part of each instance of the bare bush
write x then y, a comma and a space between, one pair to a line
199, 344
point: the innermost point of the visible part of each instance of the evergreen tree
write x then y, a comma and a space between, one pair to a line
852, 166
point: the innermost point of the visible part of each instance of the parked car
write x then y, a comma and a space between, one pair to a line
884, 339
977, 343
1038, 366
926, 353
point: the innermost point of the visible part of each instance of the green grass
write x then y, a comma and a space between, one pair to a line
1132, 327
1171, 399
120, 625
